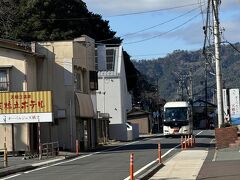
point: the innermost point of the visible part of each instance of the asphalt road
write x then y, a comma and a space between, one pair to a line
113, 164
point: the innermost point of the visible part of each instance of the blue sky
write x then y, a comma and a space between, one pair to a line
168, 24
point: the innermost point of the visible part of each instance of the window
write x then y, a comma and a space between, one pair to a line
110, 53
96, 60
93, 80
4, 79
77, 81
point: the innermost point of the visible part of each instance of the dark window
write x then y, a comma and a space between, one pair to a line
4, 80
110, 55
93, 80
96, 60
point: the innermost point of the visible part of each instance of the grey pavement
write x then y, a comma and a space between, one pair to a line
195, 163
19, 164
185, 165
210, 164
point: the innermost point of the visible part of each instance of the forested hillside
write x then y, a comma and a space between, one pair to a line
171, 73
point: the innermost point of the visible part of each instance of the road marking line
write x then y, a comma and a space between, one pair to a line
77, 158
47, 162
9, 177
149, 164
199, 133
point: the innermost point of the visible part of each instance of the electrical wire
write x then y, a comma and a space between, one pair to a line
163, 9
232, 46
127, 14
146, 39
151, 27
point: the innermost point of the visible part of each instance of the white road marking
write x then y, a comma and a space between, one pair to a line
77, 158
199, 133
149, 164
10, 177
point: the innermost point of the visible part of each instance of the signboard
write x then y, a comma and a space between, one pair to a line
234, 106
225, 105
25, 107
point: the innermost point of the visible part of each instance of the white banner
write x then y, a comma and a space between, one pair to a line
225, 105
234, 106
25, 118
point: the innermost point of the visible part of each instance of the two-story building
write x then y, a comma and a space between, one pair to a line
18, 72
67, 68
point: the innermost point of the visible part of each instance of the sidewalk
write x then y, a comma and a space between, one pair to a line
202, 164
185, 165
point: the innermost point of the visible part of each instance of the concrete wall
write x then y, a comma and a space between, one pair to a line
143, 124
112, 94
110, 101
62, 59
22, 78
118, 132
56, 74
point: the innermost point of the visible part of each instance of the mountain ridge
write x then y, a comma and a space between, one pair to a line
167, 73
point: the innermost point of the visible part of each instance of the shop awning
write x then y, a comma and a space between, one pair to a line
84, 106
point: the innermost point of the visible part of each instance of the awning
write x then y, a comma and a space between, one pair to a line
84, 106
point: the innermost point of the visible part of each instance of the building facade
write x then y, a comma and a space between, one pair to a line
67, 68
112, 95
18, 72
69, 71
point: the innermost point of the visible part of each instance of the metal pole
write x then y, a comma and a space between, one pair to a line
5, 144
206, 99
71, 124
39, 141
191, 84
218, 62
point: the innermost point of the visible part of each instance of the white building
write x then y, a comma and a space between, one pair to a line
112, 95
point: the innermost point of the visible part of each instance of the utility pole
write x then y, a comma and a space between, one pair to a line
216, 35
206, 99
191, 85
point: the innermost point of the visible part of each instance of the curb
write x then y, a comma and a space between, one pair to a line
14, 169
150, 172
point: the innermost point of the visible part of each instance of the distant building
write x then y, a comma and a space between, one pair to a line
204, 115
142, 118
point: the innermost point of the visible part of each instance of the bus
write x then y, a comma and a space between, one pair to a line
177, 118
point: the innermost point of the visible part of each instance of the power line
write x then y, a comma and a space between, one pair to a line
127, 14
232, 46
151, 11
151, 27
146, 39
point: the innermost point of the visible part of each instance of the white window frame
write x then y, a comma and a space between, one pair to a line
7, 79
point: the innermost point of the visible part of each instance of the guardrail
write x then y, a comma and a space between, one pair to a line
50, 149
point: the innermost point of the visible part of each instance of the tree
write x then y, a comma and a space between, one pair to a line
50, 20
7, 17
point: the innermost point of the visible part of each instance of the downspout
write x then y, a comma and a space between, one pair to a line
25, 88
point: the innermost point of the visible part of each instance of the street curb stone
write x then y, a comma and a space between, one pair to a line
150, 172
13, 170
16, 170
